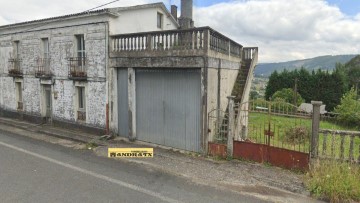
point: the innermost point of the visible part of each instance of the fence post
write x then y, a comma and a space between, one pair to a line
230, 135
315, 128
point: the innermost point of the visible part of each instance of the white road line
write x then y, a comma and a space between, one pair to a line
106, 178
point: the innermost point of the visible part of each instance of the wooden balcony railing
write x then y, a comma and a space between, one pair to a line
77, 68
15, 67
43, 68
193, 41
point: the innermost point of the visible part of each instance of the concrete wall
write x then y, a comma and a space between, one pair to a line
62, 43
222, 75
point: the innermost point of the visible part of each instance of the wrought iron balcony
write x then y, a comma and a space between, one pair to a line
77, 68
15, 67
43, 68
192, 42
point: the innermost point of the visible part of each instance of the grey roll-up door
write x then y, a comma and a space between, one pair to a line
168, 103
123, 104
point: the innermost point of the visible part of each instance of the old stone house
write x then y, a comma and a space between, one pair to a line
138, 72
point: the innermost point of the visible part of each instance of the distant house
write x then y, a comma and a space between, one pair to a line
308, 108
137, 72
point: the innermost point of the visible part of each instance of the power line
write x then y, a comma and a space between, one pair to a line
102, 5
45, 23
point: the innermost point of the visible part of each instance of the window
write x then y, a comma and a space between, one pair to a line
81, 98
45, 47
19, 95
80, 41
81, 113
159, 20
17, 49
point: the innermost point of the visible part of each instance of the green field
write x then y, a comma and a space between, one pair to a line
281, 124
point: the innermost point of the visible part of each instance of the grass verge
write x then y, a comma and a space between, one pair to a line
334, 181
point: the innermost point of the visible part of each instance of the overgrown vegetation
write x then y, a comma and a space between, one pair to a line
288, 95
90, 145
297, 135
349, 110
334, 181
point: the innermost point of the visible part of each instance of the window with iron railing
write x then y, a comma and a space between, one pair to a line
43, 67
15, 67
43, 62
77, 65
15, 61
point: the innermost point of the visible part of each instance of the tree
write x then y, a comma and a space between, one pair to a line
254, 95
317, 85
349, 109
287, 94
353, 72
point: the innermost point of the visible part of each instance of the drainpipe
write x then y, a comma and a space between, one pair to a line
107, 130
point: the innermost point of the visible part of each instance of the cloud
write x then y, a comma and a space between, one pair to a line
285, 30
22, 10
282, 29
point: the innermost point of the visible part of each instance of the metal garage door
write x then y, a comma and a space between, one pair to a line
168, 107
123, 104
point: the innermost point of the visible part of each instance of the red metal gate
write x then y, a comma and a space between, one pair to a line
272, 132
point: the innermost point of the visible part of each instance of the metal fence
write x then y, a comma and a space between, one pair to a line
278, 124
218, 125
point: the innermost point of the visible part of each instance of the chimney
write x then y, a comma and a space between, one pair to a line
185, 19
174, 11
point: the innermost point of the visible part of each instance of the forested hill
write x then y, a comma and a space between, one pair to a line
321, 62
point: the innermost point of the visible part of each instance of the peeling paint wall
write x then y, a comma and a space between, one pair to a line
8, 100
62, 44
31, 96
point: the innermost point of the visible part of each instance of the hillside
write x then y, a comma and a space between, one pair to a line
321, 62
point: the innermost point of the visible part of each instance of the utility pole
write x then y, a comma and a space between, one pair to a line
295, 92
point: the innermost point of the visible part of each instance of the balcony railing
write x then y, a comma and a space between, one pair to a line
77, 68
249, 53
43, 68
195, 41
15, 67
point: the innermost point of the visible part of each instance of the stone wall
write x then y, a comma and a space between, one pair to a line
62, 44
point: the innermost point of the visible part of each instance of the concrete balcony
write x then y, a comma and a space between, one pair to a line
202, 41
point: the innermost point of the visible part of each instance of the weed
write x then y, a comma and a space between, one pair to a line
297, 135
90, 145
267, 164
229, 158
334, 181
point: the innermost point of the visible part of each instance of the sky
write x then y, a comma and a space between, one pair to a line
283, 30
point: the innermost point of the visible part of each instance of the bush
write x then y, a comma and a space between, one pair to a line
287, 94
297, 135
334, 181
349, 110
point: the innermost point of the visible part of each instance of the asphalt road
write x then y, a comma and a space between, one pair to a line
37, 171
